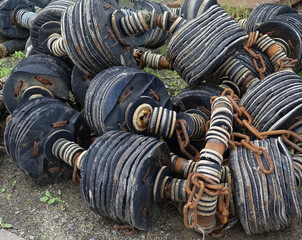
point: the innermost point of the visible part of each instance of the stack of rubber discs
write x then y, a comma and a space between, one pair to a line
92, 45
264, 12
37, 74
193, 8
118, 176
51, 14
162, 122
200, 45
152, 38
115, 90
297, 158
225, 82
27, 131
7, 29
275, 101
196, 121
265, 202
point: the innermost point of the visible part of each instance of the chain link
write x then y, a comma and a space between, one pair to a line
248, 48
245, 142
185, 145
286, 63
197, 185
205, 185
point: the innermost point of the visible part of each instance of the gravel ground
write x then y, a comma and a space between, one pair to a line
30, 218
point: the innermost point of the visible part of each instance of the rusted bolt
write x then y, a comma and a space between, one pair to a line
43, 81
59, 124
35, 149
107, 6
110, 33
144, 210
146, 174
18, 88
126, 94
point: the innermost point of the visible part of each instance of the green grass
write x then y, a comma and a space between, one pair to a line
238, 12
5, 69
173, 82
8, 64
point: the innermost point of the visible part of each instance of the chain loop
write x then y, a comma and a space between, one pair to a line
286, 63
285, 136
245, 142
197, 184
205, 185
185, 145
256, 57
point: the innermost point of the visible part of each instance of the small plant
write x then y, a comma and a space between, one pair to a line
18, 55
149, 70
14, 183
5, 70
8, 196
90, 227
5, 225
163, 49
3, 190
49, 199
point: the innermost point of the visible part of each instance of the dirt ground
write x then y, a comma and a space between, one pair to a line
32, 219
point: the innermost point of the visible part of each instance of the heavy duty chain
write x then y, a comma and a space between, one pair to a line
248, 48
199, 183
245, 142
286, 63
184, 141
191, 204
240, 113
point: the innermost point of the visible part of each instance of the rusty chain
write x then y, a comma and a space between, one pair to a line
257, 151
118, 227
286, 63
185, 145
240, 112
206, 185
137, 55
248, 48
197, 185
